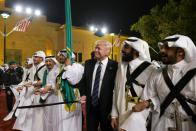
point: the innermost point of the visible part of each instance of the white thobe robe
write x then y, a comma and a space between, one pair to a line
24, 116
37, 116
127, 120
157, 90
50, 115
71, 121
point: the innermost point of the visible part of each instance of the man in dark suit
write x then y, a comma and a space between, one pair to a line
12, 76
96, 87
1, 79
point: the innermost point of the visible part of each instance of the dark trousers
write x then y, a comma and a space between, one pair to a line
9, 98
96, 119
1, 86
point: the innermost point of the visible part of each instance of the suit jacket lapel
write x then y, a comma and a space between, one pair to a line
106, 75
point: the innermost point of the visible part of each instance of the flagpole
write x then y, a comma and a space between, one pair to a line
10, 32
68, 27
1, 33
112, 46
153, 50
4, 41
7, 33
114, 43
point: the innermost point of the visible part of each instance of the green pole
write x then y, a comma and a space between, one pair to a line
68, 27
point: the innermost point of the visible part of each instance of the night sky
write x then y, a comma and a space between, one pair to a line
115, 14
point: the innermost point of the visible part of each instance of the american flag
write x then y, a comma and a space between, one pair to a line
23, 24
117, 40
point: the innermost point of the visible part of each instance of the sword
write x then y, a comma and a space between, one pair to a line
178, 119
17, 96
50, 104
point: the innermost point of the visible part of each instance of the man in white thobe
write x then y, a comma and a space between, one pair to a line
178, 54
38, 71
24, 121
61, 57
49, 95
135, 55
70, 115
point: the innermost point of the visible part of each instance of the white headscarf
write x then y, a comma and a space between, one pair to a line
40, 54
5, 67
183, 42
139, 45
29, 61
52, 58
62, 52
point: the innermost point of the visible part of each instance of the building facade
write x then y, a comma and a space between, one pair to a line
46, 36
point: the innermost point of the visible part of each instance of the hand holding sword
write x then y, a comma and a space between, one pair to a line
37, 83
16, 89
24, 84
43, 91
46, 89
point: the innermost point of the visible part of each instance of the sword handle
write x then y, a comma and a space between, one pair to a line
178, 121
178, 117
172, 129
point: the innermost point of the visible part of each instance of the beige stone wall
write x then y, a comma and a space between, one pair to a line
2, 3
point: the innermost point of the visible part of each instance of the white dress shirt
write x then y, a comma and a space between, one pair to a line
103, 68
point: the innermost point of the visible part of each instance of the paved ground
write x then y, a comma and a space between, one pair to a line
4, 126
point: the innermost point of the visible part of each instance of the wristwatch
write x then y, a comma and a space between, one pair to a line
151, 105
